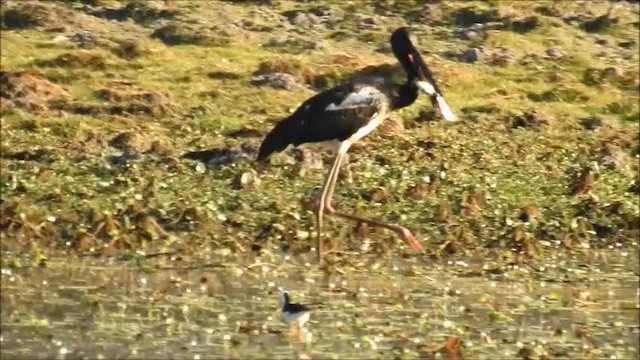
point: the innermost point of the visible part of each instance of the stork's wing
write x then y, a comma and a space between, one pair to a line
338, 113
334, 114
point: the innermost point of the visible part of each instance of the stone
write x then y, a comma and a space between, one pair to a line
276, 80
471, 55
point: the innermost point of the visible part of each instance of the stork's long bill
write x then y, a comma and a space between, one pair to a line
426, 84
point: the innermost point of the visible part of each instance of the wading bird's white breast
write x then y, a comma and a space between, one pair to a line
375, 121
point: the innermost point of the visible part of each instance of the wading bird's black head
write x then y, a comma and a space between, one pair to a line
404, 46
284, 298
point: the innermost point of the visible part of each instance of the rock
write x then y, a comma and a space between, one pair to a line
293, 44
592, 76
177, 33
321, 11
468, 35
595, 76
530, 59
428, 115
613, 73
85, 39
498, 56
471, 55
253, 26
224, 156
123, 99
214, 157
223, 75
531, 119
386, 49
591, 123
502, 56
612, 157
627, 44
276, 80
598, 24
38, 155
127, 141
469, 15
554, 53
602, 42
249, 150
522, 26
547, 11
573, 19
308, 158
123, 159
472, 32
141, 12
158, 147
245, 180
298, 18
367, 22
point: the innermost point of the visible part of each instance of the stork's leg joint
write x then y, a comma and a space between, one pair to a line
315, 205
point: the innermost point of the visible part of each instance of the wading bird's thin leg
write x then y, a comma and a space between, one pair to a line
328, 187
328, 208
402, 231
324, 206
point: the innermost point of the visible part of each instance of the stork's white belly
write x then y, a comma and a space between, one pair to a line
365, 130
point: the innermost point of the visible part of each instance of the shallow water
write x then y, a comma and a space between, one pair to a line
389, 308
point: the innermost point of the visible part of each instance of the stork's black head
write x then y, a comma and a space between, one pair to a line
404, 46
401, 42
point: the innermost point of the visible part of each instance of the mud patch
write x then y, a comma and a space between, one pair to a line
132, 49
128, 141
83, 59
521, 25
532, 119
28, 90
244, 132
122, 99
469, 15
31, 14
180, 34
37, 155
224, 156
142, 12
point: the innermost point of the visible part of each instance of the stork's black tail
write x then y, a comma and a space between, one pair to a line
276, 140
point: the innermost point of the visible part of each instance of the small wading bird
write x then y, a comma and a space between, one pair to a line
346, 113
295, 315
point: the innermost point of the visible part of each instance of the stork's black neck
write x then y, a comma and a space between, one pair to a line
407, 92
406, 95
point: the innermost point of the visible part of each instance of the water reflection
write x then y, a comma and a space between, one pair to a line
92, 309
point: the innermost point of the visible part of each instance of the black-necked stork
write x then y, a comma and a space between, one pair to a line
293, 314
346, 113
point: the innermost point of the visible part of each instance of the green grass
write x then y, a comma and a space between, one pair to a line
204, 107
74, 200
